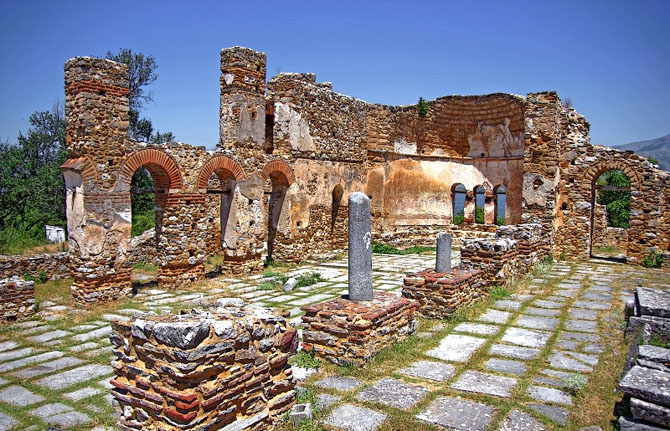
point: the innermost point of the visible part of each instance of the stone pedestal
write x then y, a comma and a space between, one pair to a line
226, 370
360, 248
352, 332
443, 253
441, 294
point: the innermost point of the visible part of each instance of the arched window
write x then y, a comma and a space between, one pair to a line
500, 195
458, 192
479, 204
338, 191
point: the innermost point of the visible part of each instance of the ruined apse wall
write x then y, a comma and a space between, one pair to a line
408, 164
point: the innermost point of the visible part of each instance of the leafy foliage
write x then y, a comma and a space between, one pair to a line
422, 107
575, 383
479, 215
305, 359
381, 248
500, 221
458, 218
32, 190
653, 260
653, 160
616, 201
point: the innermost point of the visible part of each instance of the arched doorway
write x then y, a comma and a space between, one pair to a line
500, 202
458, 194
610, 215
480, 200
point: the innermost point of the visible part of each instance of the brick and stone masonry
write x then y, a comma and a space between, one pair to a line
54, 265
203, 371
17, 299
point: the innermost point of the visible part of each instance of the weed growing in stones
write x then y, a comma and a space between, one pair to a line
575, 383
304, 359
499, 292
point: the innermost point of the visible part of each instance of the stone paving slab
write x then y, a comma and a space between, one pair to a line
7, 422
68, 419
482, 383
47, 410
595, 296
393, 393
82, 393
580, 313
47, 336
518, 420
588, 359
8, 345
19, 363
592, 305
514, 351
556, 414
542, 312
354, 418
526, 337
579, 336
506, 366
456, 348
537, 322
506, 304
458, 414
495, 316
477, 328
13, 354
98, 333
548, 304
549, 395
339, 383
19, 396
560, 360
48, 367
74, 376
581, 325
436, 371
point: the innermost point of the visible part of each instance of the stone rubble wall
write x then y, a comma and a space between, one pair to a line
440, 294
54, 265
513, 252
352, 332
204, 370
17, 299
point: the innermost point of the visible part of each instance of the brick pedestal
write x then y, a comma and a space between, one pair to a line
441, 294
204, 371
352, 332
17, 299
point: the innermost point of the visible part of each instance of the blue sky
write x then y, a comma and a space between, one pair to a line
612, 58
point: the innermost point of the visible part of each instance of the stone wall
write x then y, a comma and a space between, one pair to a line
352, 332
17, 299
201, 371
54, 265
513, 252
441, 294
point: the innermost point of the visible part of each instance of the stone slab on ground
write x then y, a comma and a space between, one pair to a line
82, 393
592, 305
537, 322
506, 304
68, 419
587, 359
98, 333
521, 421
430, 370
13, 354
546, 312
631, 424
549, 395
7, 345
562, 361
338, 383
554, 413
51, 409
48, 367
597, 296
7, 422
580, 313
548, 304
353, 418
514, 351
506, 366
19, 396
526, 337
456, 348
581, 325
579, 336
482, 383
47, 336
653, 353
477, 328
495, 316
650, 412
74, 376
647, 384
323, 401
458, 414
393, 393
20, 363
653, 302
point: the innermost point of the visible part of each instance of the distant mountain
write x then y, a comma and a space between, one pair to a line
659, 148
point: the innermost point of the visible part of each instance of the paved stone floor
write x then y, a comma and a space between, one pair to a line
54, 369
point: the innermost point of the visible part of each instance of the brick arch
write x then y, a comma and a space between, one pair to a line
219, 163
278, 166
84, 166
595, 171
152, 158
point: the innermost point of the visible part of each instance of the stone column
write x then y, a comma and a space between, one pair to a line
443, 259
360, 248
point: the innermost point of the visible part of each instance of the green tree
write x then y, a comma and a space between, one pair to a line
616, 201
32, 191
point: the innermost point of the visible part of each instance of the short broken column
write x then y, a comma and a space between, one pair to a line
443, 253
352, 329
360, 248
221, 370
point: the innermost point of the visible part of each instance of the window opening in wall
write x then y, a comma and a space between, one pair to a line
337, 193
143, 202
222, 182
500, 195
610, 215
279, 188
458, 198
268, 145
479, 204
